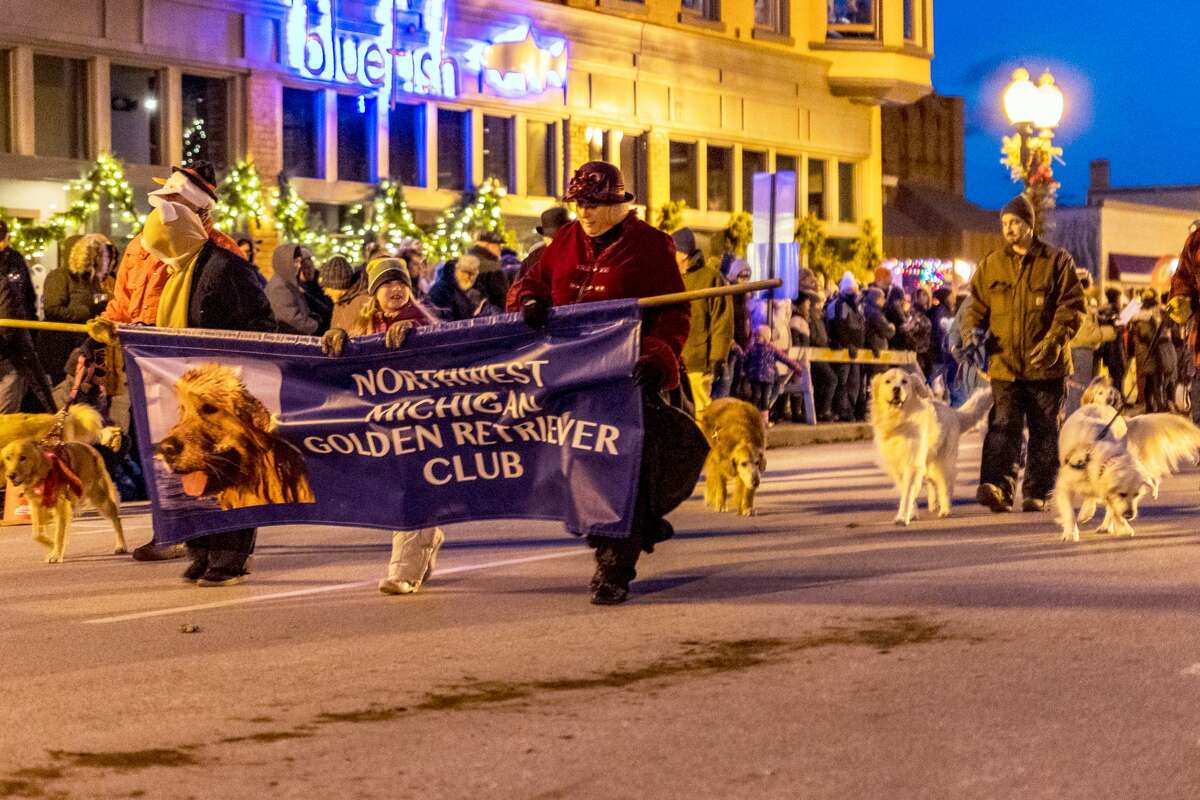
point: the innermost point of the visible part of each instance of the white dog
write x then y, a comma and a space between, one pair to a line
1107, 459
917, 438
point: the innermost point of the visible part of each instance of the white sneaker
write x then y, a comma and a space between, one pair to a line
413, 560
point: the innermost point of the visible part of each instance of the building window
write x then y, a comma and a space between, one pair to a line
683, 173
786, 163
704, 9
135, 98
498, 149
540, 161
816, 187
356, 138
597, 144
205, 120
852, 19
454, 142
633, 163
5, 109
771, 16
303, 122
909, 28
752, 161
720, 178
846, 198
406, 143
60, 122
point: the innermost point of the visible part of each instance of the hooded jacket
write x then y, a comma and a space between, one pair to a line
285, 295
1021, 301
448, 299
71, 293
711, 334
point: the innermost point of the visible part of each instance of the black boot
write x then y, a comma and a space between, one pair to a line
198, 567
616, 560
225, 568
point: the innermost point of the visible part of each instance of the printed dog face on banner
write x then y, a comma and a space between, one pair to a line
224, 444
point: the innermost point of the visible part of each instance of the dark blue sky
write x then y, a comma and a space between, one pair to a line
1130, 72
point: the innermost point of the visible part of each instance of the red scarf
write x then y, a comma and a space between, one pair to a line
59, 477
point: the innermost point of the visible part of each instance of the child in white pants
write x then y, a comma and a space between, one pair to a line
414, 555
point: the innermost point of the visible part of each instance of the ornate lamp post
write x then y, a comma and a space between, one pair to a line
1035, 111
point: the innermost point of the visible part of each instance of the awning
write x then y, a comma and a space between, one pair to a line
1122, 267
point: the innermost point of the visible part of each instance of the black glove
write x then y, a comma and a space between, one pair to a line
875, 352
853, 351
646, 376
536, 312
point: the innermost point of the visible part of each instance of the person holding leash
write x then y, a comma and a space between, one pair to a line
1028, 300
609, 254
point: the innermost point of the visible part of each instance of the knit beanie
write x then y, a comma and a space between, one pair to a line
848, 285
337, 273
685, 241
382, 270
1019, 207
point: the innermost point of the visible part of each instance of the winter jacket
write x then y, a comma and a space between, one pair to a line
817, 334
765, 361
71, 293
1022, 301
225, 293
640, 262
140, 281
347, 307
1149, 346
1090, 335
894, 311
286, 297
531, 258
845, 322
878, 330
16, 345
939, 323
492, 281
710, 336
15, 271
448, 299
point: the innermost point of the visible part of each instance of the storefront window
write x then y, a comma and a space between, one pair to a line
453, 136
852, 19
303, 119
356, 138
540, 161
406, 143
770, 15
633, 164
720, 178
597, 142
5, 131
498, 149
786, 163
683, 173
60, 122
205, 120
752, 161
816, 187
136, 135
846, 198
704, 9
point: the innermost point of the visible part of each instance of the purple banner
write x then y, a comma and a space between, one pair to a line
475, 420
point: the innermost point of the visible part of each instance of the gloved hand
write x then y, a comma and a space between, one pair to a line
1180, 309
536, 312
397, 332
1045, 354
102, 330
875, 352
334, 341
647, 376
853, 351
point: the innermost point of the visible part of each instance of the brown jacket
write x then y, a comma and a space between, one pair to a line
1020, 301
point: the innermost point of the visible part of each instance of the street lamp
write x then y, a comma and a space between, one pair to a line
1035, 111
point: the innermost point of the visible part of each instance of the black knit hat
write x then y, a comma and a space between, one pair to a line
336, 273
1021, 208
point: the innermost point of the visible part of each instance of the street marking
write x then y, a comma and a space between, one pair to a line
336, 587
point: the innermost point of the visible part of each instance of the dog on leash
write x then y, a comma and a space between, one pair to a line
55, 480
82, 423
1102, 392
917, 438
1115, 462
225, 444
738, 453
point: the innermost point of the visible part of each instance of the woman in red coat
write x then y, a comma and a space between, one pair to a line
610, 254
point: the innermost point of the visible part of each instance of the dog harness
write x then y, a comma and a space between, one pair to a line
60, 477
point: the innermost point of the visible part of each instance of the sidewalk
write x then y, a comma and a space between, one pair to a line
793, 435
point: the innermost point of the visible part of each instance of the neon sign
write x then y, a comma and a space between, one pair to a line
402, 48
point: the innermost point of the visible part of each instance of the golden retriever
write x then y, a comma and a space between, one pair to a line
1101, 392
1107, 459
81, 424
738, 445
54, 492
225, 444
917, 438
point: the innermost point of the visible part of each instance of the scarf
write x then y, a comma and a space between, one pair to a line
60, 477
175, 235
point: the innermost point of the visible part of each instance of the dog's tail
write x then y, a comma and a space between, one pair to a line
83, 424
975, 409
1163, 442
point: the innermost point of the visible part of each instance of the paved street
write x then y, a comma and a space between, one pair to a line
814, 651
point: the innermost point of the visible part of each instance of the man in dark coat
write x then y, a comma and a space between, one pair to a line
15, 271
609, 254
553, 219
1028, 299
711, 334
20, 368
